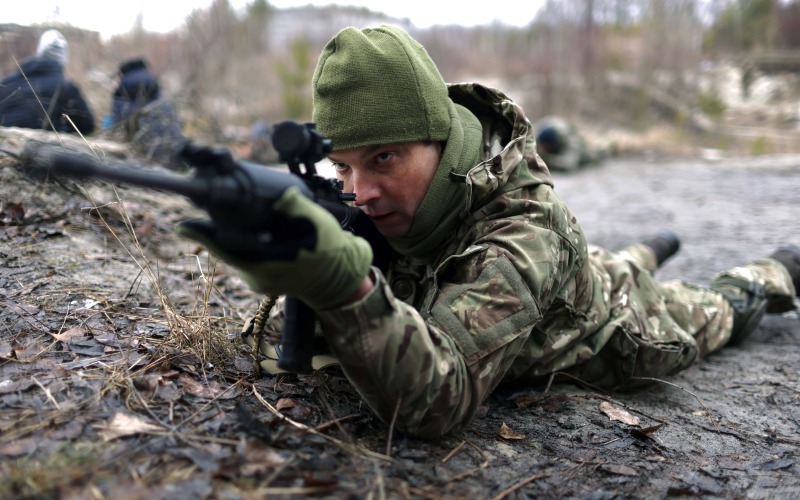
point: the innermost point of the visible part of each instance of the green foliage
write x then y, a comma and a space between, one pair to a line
259, 9
711, 104
295, 78
44, 477
255, 24
743, 25
759, 146
748, 77
681, 120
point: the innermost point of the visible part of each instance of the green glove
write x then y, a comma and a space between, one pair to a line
310, 256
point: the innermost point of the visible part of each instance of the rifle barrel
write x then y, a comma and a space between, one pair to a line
79, 165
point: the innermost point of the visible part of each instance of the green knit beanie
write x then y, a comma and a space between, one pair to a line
378, 86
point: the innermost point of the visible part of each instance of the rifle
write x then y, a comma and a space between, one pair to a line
238, 196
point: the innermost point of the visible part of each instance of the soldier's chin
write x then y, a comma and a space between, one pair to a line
391, 225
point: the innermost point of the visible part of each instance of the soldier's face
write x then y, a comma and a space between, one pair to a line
390, 181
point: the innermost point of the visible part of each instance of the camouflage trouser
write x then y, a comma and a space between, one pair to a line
685, 323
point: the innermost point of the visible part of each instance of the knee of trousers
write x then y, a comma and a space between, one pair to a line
749, 303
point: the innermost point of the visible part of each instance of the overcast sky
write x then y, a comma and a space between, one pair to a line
112, 17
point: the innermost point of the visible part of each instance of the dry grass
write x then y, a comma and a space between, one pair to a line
196, 329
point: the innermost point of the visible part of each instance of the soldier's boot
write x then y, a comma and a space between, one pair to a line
764, 286
748, 300
789, 256
664, 244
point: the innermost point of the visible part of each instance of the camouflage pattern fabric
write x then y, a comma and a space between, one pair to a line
156, 131
517, 295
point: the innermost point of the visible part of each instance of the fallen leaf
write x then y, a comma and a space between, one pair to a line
20, 447
505, 432
728, 463
6, 351
646, 433
15, 212
206, 390
703, 483
168, 392
285, 403
28, 353
8, 386
123, 424
619, 469
259, 459
651, 429
85, 346
70, 431
526, 400
69, 335
202, 390
783, 463
618, 414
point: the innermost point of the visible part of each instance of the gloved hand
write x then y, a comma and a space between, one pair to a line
311, 257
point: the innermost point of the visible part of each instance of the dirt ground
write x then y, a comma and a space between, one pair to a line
121, 375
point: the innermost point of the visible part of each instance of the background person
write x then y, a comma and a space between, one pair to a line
561, 146
147, 118
38, 95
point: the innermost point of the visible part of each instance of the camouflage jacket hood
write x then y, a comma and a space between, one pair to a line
509, 145
510, 163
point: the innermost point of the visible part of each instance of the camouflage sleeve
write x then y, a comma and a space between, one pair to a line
430, 373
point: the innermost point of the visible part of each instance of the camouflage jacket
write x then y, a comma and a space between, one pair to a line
510, 295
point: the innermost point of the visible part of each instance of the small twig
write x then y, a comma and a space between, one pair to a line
208, 403
311, 430
292, 490
133, 283
277, 472
519, 485
484, 464
549, 383
581, 381
708, 413
144, 404
454, 451
391, 427
47, 393
46, 113
620, 403
64, 115
567, 474
427, 494
726, 432
746, 436
336, 422
379, 481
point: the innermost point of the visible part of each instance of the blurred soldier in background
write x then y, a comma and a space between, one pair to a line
38, 95
561, 146
261, 150
144, 115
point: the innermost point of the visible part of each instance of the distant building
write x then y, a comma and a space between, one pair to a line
320, 24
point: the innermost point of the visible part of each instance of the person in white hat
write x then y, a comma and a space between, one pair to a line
38, 95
